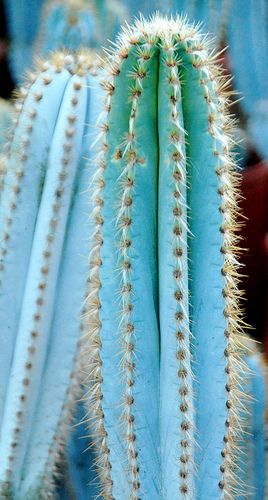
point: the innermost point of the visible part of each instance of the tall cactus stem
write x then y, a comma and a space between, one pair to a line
187, 67
40, 283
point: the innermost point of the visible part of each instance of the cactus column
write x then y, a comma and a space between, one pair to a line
164, 272
44, 243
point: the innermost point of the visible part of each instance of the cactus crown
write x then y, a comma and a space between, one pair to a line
178, 50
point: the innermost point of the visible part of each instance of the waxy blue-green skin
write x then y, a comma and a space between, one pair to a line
39, 243
66, 287
59, 31
24, 217
205, 284
170, 400
65, 331
144, 280
204, 273
257, 407
22, 21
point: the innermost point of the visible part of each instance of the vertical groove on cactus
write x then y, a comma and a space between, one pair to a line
198, 340
43, 280
10, 203
21, 147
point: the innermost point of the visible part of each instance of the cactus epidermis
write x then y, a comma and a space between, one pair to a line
164, 314
44, 246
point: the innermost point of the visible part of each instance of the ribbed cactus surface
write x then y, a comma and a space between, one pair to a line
164, 322
70, 25
44, 246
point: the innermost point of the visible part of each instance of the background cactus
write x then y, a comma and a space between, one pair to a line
23, 23
44, 244
111, 14
6, 114
165, 227
69, 25
252, 456
36, 28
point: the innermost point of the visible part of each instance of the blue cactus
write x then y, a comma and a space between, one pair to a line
44, 246
252, 456
6, 115
70, 25
23, 21
165, 228
212, 14
111, 14
159, 343
247, 30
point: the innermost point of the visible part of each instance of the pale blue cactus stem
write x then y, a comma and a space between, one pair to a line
6, 116
248, 48
64, 329
251, 460
70, 25
45, 198
258, 393
165, 229
23, 22
80, 471
20, 200
176, 394
111, 14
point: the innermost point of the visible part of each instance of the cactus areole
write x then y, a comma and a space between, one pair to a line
164, 321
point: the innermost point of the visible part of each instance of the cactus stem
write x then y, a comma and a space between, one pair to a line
37, 318
14, 195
